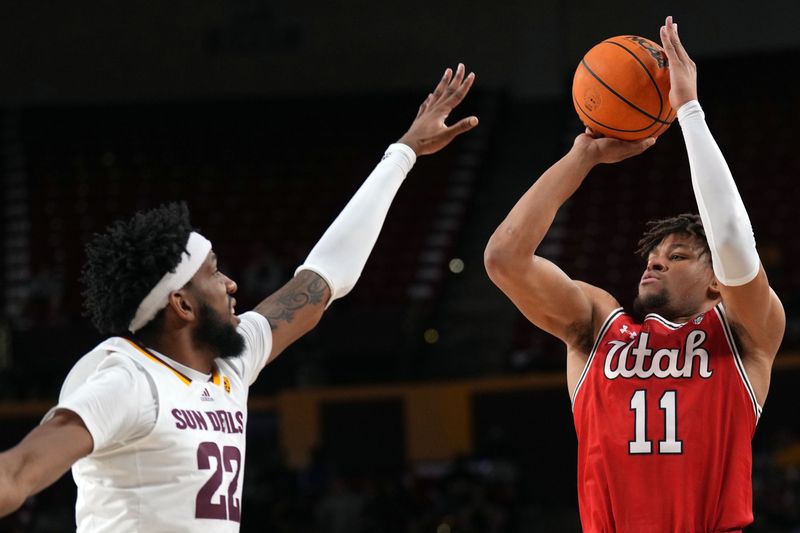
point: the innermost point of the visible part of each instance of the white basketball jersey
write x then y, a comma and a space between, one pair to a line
186, 475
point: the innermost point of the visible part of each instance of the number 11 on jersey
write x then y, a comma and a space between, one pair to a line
668, 403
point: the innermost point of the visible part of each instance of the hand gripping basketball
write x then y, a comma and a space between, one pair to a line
610, 150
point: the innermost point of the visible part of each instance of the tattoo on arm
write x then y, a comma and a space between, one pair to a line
305, 289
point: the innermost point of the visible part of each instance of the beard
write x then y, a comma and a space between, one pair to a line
651, 303
217, 334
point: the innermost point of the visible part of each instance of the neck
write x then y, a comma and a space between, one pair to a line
179, 347
686, 316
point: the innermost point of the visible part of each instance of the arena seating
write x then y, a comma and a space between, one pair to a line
275, 173
262, 179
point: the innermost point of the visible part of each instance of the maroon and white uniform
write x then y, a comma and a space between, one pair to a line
169, 442
665, 416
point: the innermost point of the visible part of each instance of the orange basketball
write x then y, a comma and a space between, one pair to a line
621, 89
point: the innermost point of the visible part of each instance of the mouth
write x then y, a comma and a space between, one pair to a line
648, 279
236, 319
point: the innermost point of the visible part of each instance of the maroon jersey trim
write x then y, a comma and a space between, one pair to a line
607, 324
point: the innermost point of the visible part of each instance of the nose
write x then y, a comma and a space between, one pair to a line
656, 263
231, 286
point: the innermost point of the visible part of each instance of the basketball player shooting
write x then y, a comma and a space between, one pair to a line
666, 397
152, 421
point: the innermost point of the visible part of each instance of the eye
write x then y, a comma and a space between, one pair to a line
676, 257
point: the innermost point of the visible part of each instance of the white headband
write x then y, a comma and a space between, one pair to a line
197, 248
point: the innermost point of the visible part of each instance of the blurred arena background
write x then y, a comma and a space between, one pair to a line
423, 402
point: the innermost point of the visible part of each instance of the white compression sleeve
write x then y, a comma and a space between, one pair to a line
340, 255
725, 220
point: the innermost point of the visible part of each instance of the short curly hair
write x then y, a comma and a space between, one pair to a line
125, 262
657, 230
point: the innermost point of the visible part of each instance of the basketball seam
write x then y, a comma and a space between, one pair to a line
575, 100
649, 75
667, 124
615, 93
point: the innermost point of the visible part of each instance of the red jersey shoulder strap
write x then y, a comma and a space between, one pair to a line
600, 334
737, 358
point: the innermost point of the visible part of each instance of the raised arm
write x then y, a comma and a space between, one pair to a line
565, 308
41, 458
336, 261
751, 305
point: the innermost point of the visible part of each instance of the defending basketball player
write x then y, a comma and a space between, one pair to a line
665, 398
152, 421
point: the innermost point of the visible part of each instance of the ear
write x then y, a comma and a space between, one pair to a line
713, 289
182, 305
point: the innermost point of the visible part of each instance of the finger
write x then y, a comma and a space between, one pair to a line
666, 36
455, 82
593, 134
458, 95
459, 77
684, 55
442, 85
462, 126
627, 149
666, 43
424, 105
466, 124
644, 144
671, 30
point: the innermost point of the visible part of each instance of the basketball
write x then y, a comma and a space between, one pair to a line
621, 89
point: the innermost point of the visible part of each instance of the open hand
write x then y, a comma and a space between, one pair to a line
682, 70
428, 133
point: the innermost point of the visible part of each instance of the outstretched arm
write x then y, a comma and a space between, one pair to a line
542, 291
42, 457
750, 303
335, 263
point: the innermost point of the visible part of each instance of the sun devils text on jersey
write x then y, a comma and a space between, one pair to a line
665, 416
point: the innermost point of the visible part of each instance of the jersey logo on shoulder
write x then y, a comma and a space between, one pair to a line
698, 318
206, 396
227, 384
625, 331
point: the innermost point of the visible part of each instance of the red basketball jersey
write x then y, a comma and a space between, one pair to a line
665, 416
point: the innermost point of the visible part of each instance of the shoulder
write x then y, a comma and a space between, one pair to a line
251, 321
602, 300
112, 356
257, 334
603, 305
756, 313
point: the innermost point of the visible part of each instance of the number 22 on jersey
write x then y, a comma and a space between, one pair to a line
228, 460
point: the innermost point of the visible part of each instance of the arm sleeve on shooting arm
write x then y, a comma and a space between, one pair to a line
341, 253
725, 220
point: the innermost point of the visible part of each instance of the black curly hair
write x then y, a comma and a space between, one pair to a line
126, 261
657, 230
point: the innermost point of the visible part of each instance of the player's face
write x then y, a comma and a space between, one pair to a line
678, 279
216, 326
216, 290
